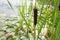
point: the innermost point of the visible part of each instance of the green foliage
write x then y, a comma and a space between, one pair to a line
46, 16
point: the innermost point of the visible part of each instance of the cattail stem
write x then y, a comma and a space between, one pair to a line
34, 32
19, 36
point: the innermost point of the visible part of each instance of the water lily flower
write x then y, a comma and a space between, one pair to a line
8, 34
20, 32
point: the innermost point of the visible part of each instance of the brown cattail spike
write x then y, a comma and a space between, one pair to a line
35, 15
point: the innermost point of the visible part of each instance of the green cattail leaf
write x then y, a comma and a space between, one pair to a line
10, 4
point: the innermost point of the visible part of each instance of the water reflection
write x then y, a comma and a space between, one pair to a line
5, 9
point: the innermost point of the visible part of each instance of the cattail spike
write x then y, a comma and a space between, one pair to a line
35, 15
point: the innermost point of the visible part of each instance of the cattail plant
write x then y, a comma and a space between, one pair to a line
25, 28
35, 11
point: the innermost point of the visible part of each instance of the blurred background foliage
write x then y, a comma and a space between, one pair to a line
23, 28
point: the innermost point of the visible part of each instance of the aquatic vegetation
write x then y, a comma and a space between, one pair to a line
38, 21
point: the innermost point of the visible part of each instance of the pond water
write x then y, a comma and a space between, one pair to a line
5, 9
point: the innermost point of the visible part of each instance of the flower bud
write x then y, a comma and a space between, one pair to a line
20, 32
8, 34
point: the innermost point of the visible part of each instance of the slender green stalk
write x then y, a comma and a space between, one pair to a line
19, 36
34, 32
10, 4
